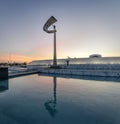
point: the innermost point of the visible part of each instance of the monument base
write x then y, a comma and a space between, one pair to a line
56, 67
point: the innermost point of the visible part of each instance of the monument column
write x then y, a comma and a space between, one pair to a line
50, 22
55, 53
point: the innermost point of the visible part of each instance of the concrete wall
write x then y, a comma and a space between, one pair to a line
77, 72
93, 66
3, 72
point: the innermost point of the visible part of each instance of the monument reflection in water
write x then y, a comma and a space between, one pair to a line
34, 99
50, 105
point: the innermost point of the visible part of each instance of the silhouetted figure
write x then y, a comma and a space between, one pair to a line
67, 62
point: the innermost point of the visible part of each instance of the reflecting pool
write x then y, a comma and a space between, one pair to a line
38, 99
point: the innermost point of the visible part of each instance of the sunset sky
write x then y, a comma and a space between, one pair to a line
84, 27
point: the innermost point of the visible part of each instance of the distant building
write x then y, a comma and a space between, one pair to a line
93, 59
95, 56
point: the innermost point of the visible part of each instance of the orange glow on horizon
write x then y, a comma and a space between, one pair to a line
22, 58
17, 58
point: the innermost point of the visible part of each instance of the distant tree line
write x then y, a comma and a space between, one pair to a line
13, 64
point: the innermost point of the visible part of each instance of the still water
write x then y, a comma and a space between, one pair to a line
37, 99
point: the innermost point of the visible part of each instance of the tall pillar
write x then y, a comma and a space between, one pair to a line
55, 53
50, 22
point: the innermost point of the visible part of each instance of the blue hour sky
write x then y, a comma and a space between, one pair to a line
84, 27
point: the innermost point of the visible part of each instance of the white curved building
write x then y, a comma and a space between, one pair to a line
91, 60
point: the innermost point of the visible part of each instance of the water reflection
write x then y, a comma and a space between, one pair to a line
50, 105
4, 85
95, 78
